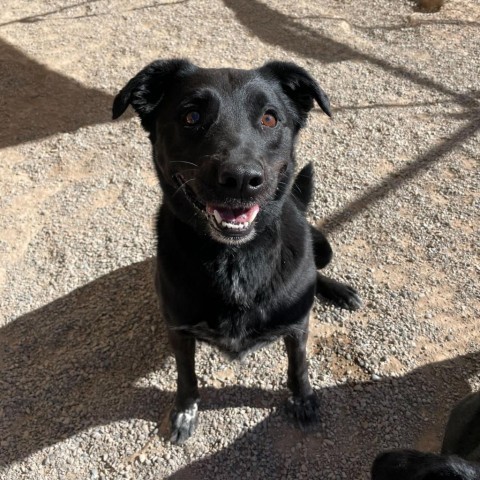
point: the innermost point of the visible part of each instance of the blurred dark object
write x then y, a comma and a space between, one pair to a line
459, 457
430, 6
462, 434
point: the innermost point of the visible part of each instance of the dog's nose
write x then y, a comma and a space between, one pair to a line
240, 179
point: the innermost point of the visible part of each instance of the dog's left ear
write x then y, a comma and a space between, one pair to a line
299, 86
145, 91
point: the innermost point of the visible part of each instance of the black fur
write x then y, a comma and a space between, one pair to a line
460, 454
413, 465
220, 157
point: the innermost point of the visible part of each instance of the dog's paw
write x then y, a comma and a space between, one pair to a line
305, 412
347, 297
183, 423
341, 294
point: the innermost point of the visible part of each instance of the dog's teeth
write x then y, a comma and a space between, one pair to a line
217, 216
231, 226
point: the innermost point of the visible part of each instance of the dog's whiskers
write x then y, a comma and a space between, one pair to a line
291, 192
182, 185
182, 161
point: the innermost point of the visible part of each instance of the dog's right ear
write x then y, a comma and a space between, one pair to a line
145, 91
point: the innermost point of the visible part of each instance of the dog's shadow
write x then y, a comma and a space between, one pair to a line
358, 421
73, 364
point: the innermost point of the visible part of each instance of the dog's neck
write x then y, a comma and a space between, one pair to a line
231, 269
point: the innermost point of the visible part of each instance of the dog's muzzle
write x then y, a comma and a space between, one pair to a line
232, 225
234, 222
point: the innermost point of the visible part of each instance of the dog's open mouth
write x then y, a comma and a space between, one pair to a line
233, 219
232, 222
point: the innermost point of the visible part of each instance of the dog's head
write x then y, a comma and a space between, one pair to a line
223, 139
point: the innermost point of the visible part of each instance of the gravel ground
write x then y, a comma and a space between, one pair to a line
87, 378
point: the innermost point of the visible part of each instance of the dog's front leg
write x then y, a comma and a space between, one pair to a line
303, 405
185, 412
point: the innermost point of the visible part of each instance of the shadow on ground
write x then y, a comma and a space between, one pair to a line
72, 365
40, 17
38, 102
395, 180
275, 28
426, 394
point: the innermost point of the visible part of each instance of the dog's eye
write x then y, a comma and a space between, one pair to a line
191, 118
269, 120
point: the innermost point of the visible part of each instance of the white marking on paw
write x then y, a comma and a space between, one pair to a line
186, 416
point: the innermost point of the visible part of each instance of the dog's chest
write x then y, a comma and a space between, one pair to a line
237, 299
234, 342
240, 278
255, 308
237, 316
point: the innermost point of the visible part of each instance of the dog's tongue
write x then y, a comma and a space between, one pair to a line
235, 215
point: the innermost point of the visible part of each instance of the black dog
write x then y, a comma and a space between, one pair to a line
414, 465
236, 258
460, 454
